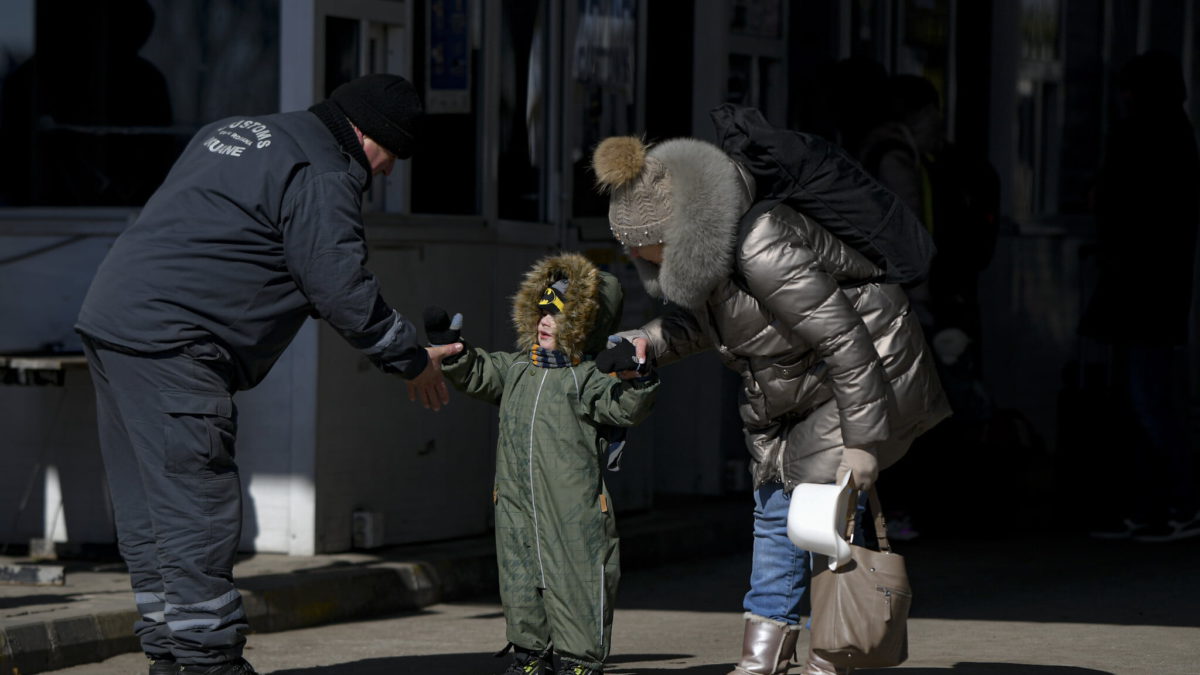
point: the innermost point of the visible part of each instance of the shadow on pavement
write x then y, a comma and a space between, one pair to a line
958, 669
490, 615
708, 669
473, 664
447, 664
28, 600
1059, 580
1067, 579
988, 669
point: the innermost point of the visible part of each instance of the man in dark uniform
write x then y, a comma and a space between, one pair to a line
257, 226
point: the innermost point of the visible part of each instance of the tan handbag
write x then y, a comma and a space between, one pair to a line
860, 610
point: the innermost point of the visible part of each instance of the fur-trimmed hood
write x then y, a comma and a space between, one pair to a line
591, 313
708, 194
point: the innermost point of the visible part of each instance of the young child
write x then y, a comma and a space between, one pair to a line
556, 538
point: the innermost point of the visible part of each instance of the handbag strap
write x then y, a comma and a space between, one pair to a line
851, 513
881, 537
880, 525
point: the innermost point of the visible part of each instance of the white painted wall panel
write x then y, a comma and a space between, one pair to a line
52, 426
429, 474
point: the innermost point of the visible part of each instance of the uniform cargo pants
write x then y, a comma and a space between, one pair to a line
167, 425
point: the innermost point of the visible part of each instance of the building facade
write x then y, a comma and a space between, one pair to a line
99, 96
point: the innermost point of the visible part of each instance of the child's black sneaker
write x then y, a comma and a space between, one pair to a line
528, 662
570, 668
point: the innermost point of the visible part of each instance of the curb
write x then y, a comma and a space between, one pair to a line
280, 602
272, 603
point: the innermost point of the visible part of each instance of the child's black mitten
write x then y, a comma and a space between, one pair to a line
622, 356
440, 329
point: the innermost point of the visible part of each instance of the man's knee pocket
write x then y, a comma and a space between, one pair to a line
199, 432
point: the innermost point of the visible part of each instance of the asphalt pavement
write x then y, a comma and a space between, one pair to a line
1036, 605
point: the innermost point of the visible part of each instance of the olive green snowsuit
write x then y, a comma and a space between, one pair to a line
556, 538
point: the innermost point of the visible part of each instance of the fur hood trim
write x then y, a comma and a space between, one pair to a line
709, 193
577, 319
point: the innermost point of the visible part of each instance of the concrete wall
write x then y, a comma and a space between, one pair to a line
428, 474
44, 276
52, 429
326, 433
45, 268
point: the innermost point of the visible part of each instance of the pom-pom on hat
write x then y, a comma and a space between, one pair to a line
385, 107
639, 208
682, 193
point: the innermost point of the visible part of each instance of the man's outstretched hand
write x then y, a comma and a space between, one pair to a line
430, 387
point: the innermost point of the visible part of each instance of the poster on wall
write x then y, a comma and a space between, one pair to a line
606, 45
448, 59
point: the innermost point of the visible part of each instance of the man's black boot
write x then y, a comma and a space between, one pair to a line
239, 667
163, 667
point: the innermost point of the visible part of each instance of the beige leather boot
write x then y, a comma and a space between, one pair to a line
767, 647
819, 666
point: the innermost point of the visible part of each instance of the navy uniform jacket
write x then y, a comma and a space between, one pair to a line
257, 226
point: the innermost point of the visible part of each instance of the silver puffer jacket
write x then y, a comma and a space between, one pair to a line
827, 359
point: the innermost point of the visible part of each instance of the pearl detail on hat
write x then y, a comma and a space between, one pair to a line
641, 208
633, 239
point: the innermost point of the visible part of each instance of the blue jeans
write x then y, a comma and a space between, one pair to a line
781, 571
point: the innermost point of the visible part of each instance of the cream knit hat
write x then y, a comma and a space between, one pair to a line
639, 208
684, 193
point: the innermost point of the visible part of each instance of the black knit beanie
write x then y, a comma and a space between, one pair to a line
385, 108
